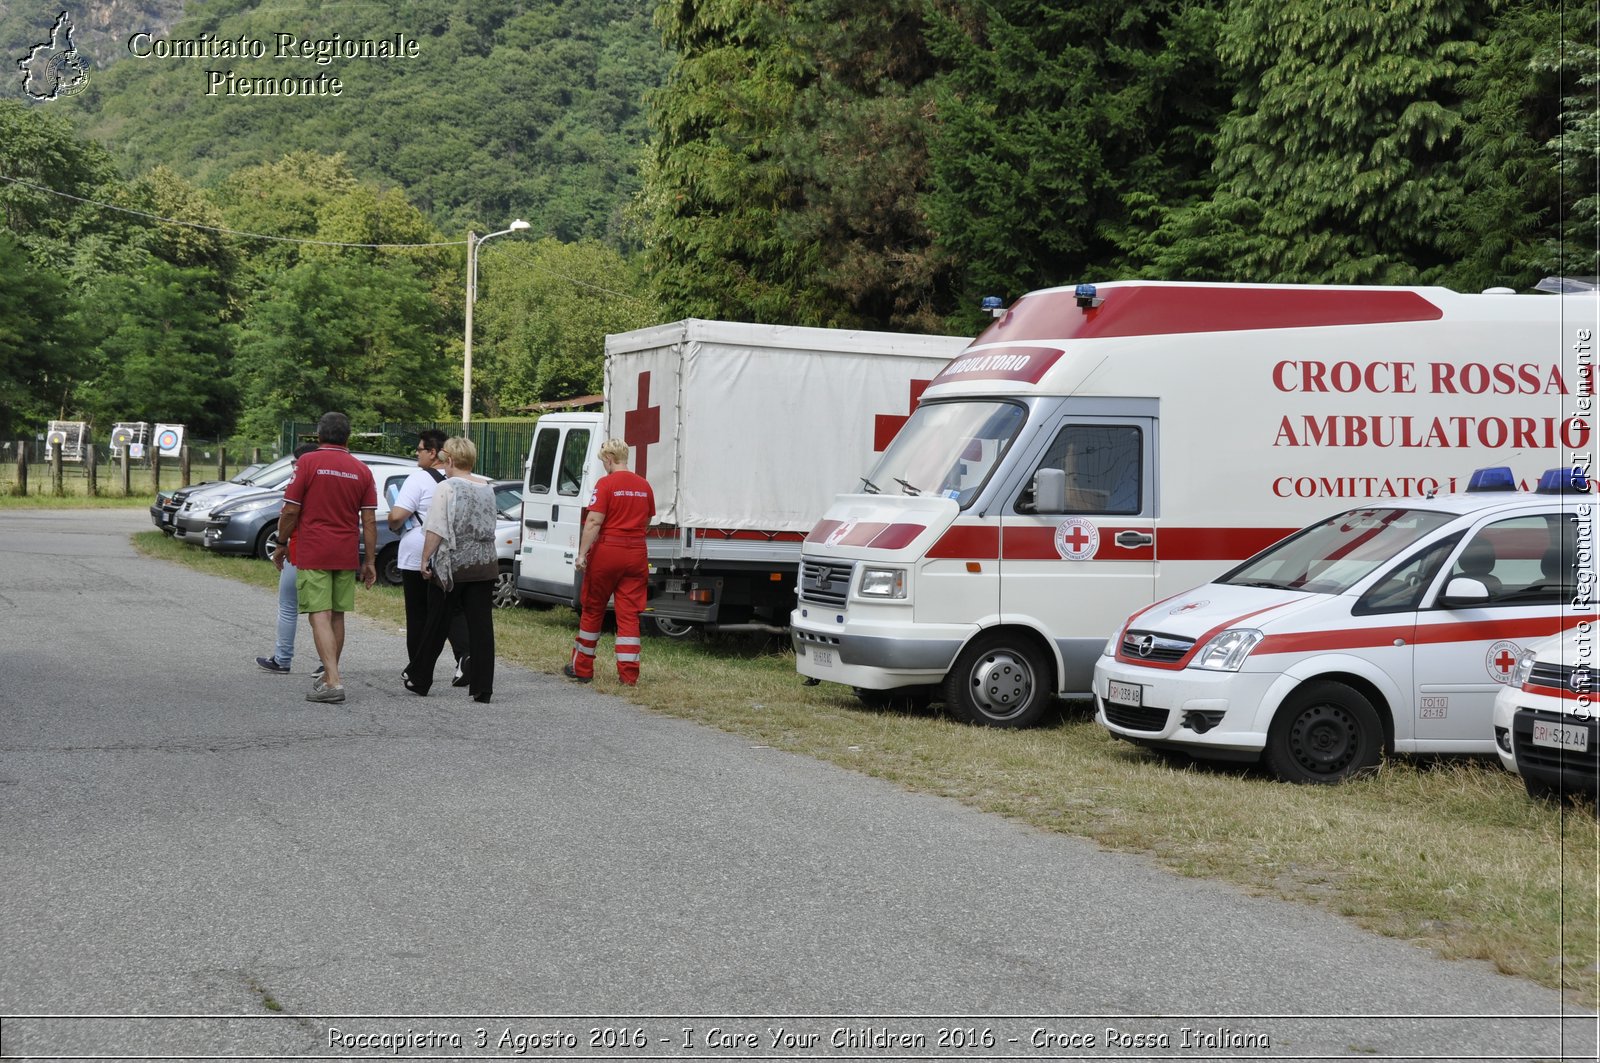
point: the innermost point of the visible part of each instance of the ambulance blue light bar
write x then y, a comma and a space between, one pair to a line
993, 305
1563, 482
1493, 478
1087, 296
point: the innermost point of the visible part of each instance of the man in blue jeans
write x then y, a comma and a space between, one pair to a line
288, 605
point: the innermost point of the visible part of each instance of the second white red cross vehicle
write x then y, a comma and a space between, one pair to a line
1101, 447
1384, 628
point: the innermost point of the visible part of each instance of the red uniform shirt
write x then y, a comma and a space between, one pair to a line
332, 489
624, 498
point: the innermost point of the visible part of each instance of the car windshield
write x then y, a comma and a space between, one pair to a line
274, 475
508, 499
1331, 557
947, 448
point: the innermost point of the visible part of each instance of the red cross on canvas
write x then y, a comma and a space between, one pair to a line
885, 425
641, 426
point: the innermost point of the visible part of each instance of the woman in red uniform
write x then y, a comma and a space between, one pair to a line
612, 558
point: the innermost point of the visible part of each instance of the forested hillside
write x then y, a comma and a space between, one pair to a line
508, 109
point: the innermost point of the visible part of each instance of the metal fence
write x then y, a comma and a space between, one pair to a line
502, 442
28, 462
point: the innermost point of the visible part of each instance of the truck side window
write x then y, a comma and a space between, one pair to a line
573, 455
1522, 560
542, 470
1103, 465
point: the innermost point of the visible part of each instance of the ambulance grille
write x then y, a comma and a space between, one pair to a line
1154, 646
826, 582
1578, 678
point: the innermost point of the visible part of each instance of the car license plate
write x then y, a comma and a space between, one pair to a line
1125, 693
166, 518
822, 658
1561, 736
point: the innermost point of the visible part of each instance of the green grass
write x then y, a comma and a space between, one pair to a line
1451, 855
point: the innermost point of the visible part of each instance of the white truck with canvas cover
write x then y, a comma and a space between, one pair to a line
746, 433
1101, 447
1390, 627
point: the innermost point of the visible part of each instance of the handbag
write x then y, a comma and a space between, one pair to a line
479, 573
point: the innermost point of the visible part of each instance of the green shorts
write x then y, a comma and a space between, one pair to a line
321, 590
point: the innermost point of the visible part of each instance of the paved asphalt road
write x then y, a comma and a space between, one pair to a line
182, 835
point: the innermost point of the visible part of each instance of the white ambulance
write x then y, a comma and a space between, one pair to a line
1384, 628
1101, 447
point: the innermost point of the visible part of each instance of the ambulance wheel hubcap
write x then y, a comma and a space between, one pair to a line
1002, 684
1324, 738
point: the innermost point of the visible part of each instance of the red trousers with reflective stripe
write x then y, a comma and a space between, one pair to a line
620, 572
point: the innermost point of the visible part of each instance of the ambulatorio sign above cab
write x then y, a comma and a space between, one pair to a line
320, 51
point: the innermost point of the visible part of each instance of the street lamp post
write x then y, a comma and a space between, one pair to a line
474, 241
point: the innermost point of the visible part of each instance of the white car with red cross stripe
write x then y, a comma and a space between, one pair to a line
1386, 628
1546, 727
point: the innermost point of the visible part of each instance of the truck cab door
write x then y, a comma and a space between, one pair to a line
552, 509
1467, 642
1078, 543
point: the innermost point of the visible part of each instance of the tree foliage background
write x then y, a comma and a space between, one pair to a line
815, 162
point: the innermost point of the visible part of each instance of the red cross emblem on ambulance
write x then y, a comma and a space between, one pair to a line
1077, 539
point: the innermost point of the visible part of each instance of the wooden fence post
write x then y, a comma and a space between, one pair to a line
22, 467
184, 466
126, 473
155, 469
90, 468
57, 485
222, 463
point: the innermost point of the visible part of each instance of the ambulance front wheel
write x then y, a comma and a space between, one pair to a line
1000, 680
1325, 732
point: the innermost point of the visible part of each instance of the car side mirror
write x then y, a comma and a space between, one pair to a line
1050, 491
1464, 590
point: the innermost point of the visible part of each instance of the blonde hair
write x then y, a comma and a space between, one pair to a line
615, 449
462, 452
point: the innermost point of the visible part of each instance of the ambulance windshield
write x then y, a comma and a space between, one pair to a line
1331, 557
948, 449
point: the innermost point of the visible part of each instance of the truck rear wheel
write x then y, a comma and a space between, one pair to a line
1000, 680
667, 627
1325, 732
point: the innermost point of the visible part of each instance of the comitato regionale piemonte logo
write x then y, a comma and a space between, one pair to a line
53, 68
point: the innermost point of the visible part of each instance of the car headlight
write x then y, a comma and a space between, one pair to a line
1111, 645
883, 583
1227, 651
1523, 669
252, 506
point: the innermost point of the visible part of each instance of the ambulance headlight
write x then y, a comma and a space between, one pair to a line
883, 583
1227, 651
1523, 669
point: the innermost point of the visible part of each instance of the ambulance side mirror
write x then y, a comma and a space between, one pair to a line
1050, 491
1464, 590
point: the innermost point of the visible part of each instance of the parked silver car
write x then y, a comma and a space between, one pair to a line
194, 507
164, 510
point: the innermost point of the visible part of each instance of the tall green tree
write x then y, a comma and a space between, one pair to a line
543, 314
161, 350
1575, 246
341, 334
719, 187
39, 341
1057, 121
1341, 158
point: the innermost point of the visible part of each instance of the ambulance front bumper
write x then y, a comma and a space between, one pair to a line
1216, 712
871, 653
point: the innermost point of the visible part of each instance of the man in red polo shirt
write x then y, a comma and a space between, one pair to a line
332, 493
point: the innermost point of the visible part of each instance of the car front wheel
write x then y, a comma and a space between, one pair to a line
1325, 732
505, 587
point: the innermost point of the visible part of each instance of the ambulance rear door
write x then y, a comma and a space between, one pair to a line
1078, 532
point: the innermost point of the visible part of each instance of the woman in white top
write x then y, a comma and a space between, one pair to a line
458, 556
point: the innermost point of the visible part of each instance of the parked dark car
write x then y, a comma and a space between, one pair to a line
248, 523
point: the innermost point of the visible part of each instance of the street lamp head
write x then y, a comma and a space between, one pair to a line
519, 224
